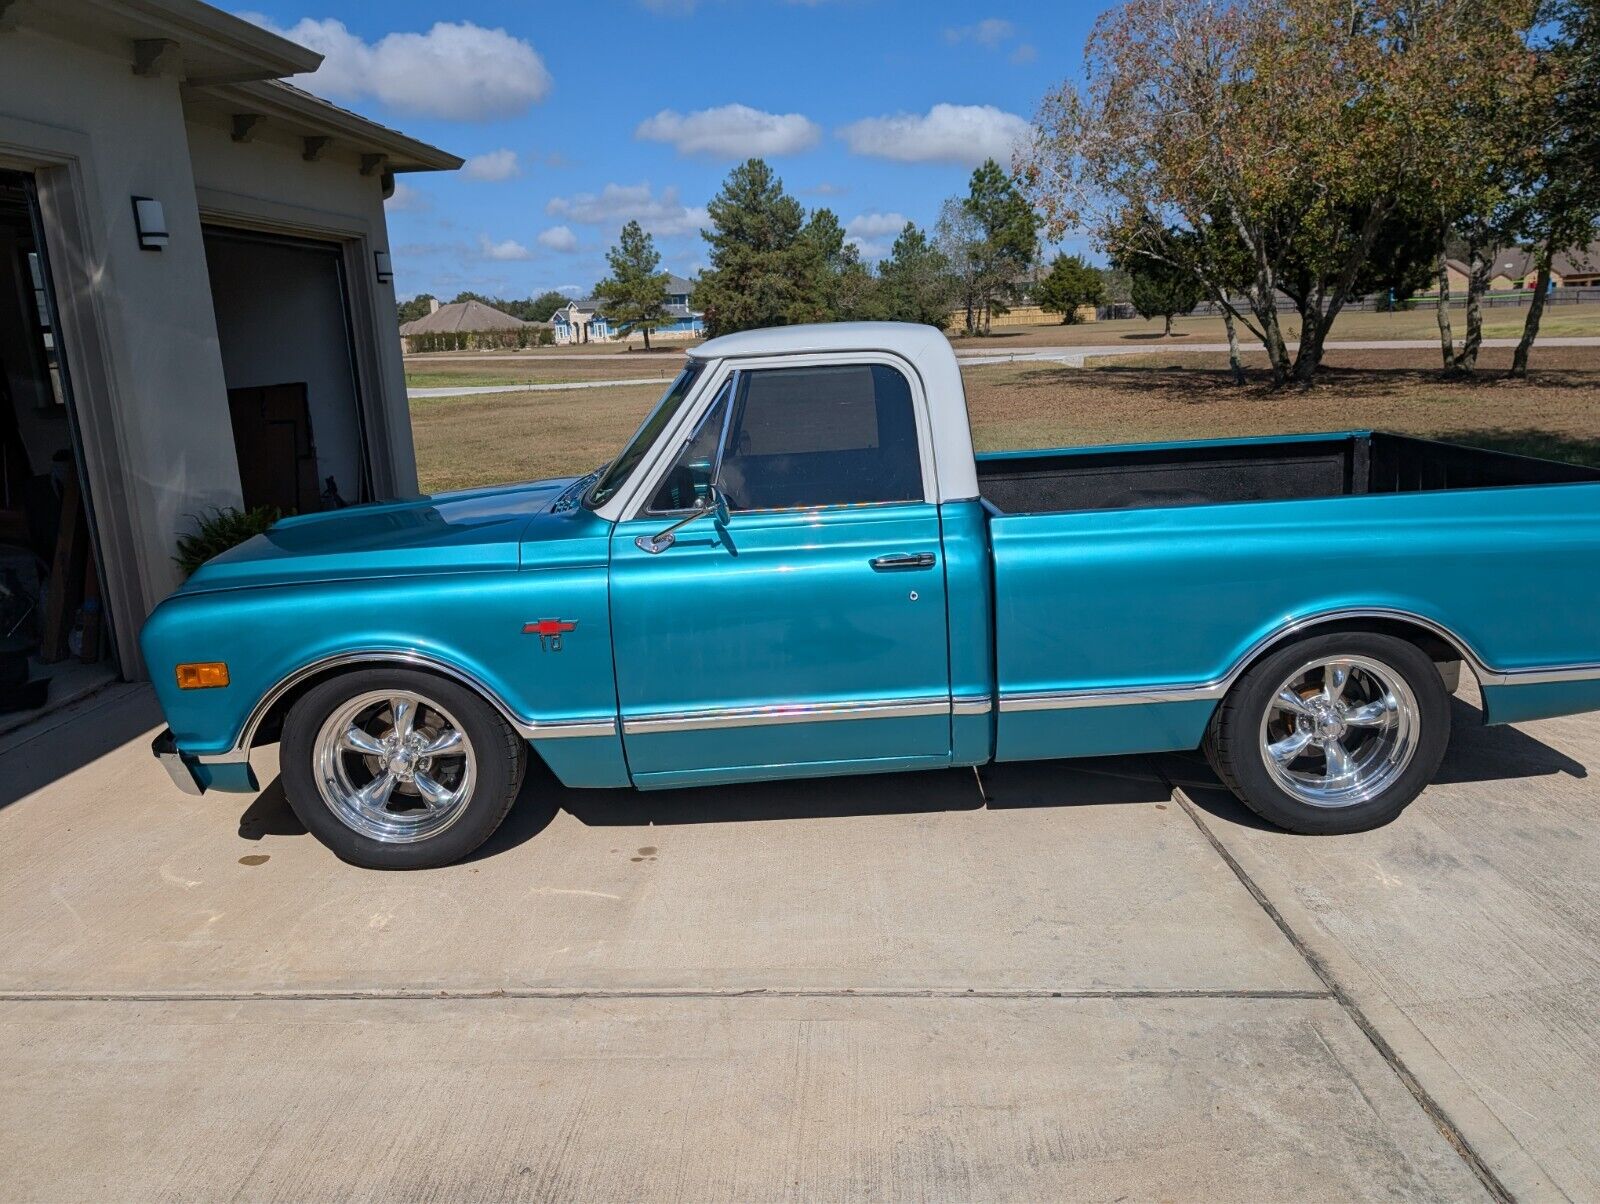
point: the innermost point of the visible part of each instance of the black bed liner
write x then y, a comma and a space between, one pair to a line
1207, 473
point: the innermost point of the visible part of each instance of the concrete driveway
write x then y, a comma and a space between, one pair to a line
1108, 982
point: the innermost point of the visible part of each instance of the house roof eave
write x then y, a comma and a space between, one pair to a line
308, 114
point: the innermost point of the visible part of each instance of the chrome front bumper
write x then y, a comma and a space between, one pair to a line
165, 750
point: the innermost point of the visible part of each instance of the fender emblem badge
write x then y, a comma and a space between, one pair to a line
549, 632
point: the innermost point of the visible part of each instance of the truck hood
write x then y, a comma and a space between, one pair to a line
473, 530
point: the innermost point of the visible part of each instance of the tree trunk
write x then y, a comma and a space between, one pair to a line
1530, 327
1167, 333
646, 330
969, 313
1308, 358
1235, 364
1272, 337
1447, 342
1477, 282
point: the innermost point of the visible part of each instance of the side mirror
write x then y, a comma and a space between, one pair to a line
714, 503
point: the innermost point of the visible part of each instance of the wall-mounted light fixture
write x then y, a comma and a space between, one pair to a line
151, 223
384, 269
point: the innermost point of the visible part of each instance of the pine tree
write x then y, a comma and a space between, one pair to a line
1159, 291
762, 272
916, 281
1070, 283
1010, 230
635, 294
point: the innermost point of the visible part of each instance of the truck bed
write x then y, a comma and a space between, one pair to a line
1252, 470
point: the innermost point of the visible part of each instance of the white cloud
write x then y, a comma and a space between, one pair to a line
989, 32
828, 189
406, 199
875, 225
731, 132
1024, 53
964, 134
617, 204
870, 250
457, 70
509, 249
492, 165
558, 238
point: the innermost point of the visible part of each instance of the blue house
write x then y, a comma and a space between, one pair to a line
584, 320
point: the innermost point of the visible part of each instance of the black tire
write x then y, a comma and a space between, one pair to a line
1233, 741
500, 759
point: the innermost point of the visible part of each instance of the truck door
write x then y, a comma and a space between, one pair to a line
807, 633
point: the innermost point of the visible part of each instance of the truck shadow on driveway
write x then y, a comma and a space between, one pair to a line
1476, 754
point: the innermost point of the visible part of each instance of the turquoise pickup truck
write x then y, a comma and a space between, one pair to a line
797, 567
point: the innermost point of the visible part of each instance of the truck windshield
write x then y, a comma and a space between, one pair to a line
619, 470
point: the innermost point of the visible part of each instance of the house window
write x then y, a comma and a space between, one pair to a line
44, 333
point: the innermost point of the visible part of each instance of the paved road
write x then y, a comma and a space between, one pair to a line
1074, 356
472, 390
636, 358
1107, 982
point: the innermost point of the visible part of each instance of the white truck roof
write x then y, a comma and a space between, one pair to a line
925, 348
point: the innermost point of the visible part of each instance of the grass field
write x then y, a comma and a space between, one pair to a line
468, 441
1502, 322
431, 373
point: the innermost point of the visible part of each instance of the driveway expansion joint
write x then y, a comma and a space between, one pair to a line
535, 994
1335, 990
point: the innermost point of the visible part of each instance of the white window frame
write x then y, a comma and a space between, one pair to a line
631, 501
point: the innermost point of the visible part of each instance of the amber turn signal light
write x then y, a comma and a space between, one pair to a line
206, 675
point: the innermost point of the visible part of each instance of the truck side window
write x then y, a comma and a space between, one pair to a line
684, 486
825, 436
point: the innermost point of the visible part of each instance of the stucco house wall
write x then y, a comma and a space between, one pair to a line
137, 325
101, 102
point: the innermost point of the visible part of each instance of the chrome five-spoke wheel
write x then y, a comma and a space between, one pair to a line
394, 765
1340, 731
1336, 732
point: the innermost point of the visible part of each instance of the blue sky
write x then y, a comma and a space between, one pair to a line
575, 118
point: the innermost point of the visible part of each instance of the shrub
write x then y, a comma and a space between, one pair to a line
480, 340
225, 527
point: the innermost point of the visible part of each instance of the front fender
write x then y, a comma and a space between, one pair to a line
468, 625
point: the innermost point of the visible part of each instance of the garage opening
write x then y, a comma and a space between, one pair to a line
54, 631
283, 320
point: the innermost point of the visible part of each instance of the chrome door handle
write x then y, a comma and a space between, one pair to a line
907, 560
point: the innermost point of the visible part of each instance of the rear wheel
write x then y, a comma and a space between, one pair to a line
1336, 733
395, 769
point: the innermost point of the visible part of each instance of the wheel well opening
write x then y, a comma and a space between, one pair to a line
270, 729
1436, 647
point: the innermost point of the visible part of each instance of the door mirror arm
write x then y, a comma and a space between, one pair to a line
714, 503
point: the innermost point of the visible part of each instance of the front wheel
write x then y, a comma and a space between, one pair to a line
1335, 733
396, 769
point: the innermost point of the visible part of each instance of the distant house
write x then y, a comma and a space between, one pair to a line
471, 321
1515, 268
585, 321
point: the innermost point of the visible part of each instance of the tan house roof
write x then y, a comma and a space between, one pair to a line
463, 316
1518, 264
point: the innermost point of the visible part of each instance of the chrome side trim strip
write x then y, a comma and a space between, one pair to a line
558, 729
1541, 677
977, 704
1068, 699
1064, 700
528, 729
815, 712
